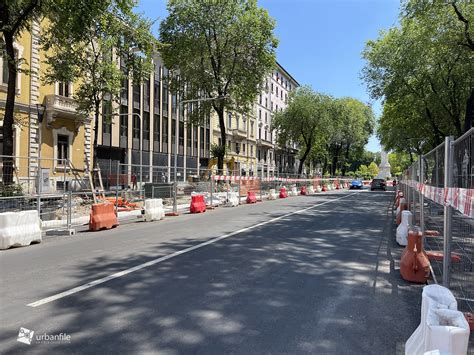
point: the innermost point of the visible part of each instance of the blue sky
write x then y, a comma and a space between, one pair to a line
321, 40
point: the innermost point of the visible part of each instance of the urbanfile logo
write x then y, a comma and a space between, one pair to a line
25, 336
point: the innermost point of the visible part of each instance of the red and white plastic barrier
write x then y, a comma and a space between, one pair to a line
459, 198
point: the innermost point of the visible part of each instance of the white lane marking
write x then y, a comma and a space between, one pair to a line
172, 255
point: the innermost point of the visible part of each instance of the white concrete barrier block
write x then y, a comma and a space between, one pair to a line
310, 190
442, 327
272, 195
293, 191
319, 188
19, 229
232, 200
154, 210
402, 229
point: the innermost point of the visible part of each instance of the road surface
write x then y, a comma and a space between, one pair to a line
309, 274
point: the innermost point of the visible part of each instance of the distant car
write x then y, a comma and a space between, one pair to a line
378, 184
356, 184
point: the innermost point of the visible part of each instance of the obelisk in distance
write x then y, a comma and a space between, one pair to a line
384, 167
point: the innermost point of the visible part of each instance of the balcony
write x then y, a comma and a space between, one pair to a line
63, 107
239, 133
264, 143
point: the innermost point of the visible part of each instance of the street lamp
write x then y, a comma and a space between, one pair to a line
40, 111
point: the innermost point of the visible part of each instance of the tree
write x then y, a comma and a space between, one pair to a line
352, 126
15, 16
399, 162
423, 72
222, 50
98, 45
373, 169
304, 121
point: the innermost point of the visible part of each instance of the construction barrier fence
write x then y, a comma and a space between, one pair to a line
439, 191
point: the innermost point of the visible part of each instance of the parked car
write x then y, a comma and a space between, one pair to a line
356, 184
378, 184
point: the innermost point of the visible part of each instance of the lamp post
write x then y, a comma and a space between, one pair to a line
40, 110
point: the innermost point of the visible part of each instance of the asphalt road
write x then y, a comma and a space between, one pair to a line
321, 280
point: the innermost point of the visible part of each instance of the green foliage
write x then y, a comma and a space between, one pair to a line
423, 71
373, 169
399, 162
97, 44
304, 121
221, 49
217, 150
9, 190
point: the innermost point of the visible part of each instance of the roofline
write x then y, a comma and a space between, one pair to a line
286, 72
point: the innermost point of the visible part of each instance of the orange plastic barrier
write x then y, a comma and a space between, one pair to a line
198, 205
251, 197
414, 264
283, 192
397, 198
102, 217
438, 256
303, 190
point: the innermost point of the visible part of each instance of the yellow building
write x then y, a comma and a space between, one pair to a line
59, 145
241, 142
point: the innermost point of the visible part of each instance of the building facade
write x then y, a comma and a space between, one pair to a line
139, 134
50, 136
251, 141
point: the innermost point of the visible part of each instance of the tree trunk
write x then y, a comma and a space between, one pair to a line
303, 158
469, 118
9, 111
221, 154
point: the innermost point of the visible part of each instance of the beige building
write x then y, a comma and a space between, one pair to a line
251, 141
59, 142
241, 142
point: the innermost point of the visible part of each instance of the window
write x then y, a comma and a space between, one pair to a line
260, 115
146, 126
165, 100
136, 126
260, 99
265, 134
277, 90
251, 128
146, 95
4, 67
259, 132
156, 132
237, 119
202, 137
243, 148
156, 96
106, 117
123, 121
281, 95
266, 103
124, 92
165, 130
251, 151
208, 139
189, 138
266, 117
173, 105
229, 121
181, 134
63, 89
276, 107
136, 96
272, 88
63, 148
173, 131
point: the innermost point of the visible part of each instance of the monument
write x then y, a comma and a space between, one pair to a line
384, 167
